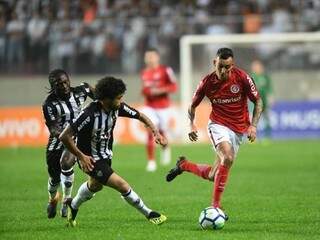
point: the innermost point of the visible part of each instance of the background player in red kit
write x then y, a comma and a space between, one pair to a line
228, 89
158, 81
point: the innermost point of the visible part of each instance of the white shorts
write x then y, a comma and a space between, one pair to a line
218, 133
159, 116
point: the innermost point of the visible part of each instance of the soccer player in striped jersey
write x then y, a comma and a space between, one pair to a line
158, 82
228, 89
61, 107
94, 131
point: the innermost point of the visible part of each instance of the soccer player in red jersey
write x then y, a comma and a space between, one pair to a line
158, 81
228, 89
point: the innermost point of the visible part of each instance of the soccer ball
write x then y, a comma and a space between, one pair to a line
212, 218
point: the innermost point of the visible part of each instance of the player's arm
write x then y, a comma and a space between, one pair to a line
127, 111
88, 89
66, 137
254, 97
193, 134
149, 124
54, 129
51, 118
196, 100
257, 110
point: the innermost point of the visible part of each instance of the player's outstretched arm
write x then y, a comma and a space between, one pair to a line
65, 137
193, 134
149, 124
252, 130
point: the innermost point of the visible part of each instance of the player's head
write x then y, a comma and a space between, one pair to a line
257, 67
152, 57
109, 91
223, 63
59, 83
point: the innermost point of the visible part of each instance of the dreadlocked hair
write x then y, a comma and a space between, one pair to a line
109, 87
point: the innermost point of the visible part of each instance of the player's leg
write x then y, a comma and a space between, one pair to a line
118, 183
67, 177
85, 192
226, 155
150, 144
226, 150
151, 158
204, 171
164, 116
53, 165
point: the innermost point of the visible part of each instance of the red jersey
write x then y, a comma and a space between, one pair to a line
161, 77
228, 98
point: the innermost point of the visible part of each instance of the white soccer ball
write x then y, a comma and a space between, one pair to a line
212, 218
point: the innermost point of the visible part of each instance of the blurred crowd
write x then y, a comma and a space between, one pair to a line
94, 36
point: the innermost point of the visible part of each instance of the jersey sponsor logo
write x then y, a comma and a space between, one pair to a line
99, 173
226, 100
128, 110
84, 122
252, 86
234, 88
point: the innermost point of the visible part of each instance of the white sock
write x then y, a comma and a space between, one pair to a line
134, 200
67, 178
165, 155
83, 195
52, 188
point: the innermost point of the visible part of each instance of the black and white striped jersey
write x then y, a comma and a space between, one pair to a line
94, 129
58, 112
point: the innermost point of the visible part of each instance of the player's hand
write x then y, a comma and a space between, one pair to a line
193, 134
159, 139
86, 163
252, 133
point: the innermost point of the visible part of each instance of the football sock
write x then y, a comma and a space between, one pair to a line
219, 184
52, 188
84, 194
67, 178
150, 147
133, 199
201, 170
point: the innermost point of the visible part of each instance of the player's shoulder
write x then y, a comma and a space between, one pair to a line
51, 99
240, 72
93, 106
80, 90
165, 68
209, 77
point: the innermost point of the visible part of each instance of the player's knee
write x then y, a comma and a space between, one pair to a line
228, 160
66, 163
211, 175
55, 180
123, 186
94, 186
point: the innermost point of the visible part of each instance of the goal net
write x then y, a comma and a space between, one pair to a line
291, 59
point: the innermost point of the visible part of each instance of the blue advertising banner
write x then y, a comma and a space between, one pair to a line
298, 119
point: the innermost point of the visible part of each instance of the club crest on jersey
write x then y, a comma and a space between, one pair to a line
234, 88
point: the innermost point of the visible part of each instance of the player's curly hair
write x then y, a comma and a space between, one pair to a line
224, 53
109, 87
53, 76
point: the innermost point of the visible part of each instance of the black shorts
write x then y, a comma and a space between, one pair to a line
102, 171
53, 164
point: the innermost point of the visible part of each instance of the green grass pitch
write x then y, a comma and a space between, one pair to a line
273, 193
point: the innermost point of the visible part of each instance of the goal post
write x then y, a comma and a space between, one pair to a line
186, 64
